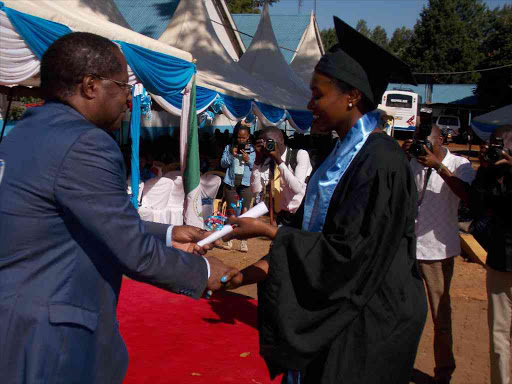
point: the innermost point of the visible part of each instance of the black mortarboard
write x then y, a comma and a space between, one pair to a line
363, 64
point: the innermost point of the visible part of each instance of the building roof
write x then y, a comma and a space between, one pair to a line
461, 94
287, 28
148, 17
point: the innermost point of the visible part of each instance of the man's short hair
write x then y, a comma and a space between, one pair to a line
274, 131
70, 58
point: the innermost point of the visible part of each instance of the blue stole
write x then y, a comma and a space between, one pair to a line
324, 181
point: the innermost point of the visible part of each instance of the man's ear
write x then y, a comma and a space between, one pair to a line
89, 87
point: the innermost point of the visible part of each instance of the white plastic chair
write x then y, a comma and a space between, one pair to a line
154, 200
210, 184
174, 207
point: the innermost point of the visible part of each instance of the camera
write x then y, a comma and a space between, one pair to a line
424, 130
495, 151
270, 145
241, 147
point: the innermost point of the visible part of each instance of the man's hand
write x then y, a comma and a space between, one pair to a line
185, 237
276, 156
429, 160
507, 159
219, 270
246, 228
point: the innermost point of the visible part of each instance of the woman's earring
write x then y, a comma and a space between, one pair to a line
350, 105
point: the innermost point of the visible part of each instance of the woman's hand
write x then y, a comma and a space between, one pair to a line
246, 228
245, 156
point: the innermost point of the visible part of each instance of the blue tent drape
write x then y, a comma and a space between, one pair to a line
135, 134
273, 114
302, 119
161, 74
237, 107
38, 33
204, 97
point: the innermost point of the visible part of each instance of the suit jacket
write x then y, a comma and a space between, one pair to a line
68, 233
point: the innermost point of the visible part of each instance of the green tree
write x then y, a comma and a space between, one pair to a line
329, 38
495, 87
400, 41
379, 36
246, 6
448, 37
362, 28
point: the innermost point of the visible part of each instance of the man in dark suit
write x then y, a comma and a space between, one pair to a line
68, 232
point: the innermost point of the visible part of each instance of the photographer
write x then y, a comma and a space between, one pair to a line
490, 195
294, 167
439, 192
238, 158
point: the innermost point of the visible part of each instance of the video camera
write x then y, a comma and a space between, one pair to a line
270, 145
424, 130
495, 151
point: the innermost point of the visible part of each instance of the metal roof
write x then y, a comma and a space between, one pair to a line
287, 28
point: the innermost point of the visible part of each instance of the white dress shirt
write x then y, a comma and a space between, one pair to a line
293, 181
437, 227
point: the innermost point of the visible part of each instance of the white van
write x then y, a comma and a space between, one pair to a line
449, 124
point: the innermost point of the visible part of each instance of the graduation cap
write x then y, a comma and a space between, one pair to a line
363, 64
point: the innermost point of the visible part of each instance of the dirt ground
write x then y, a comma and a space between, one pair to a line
469, 310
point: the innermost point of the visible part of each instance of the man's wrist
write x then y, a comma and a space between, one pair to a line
168, 236
440, 168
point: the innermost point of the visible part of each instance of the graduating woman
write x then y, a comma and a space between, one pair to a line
340, 296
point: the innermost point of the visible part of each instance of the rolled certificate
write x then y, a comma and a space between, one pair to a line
255, 212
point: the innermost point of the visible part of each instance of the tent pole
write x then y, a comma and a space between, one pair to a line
9, 96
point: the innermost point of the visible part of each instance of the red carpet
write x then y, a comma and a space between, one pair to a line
173, 339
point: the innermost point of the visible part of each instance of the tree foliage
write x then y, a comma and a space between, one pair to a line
246, 6
379, 36
448, 38
362, 28
329, 38
400, 41
495, 87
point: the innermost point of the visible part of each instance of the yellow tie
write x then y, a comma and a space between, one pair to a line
277, 189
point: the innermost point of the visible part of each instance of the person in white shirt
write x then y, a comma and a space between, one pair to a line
442, 180
294, 167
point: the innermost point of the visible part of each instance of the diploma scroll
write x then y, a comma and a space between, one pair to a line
255, 212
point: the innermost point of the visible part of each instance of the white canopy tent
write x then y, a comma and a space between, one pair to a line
20, 66
309, 52
484, 125
264, 60
190, 29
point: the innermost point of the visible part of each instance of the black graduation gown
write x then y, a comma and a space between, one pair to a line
347, 305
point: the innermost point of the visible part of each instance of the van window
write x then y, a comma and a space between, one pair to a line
448, 120
398, 100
